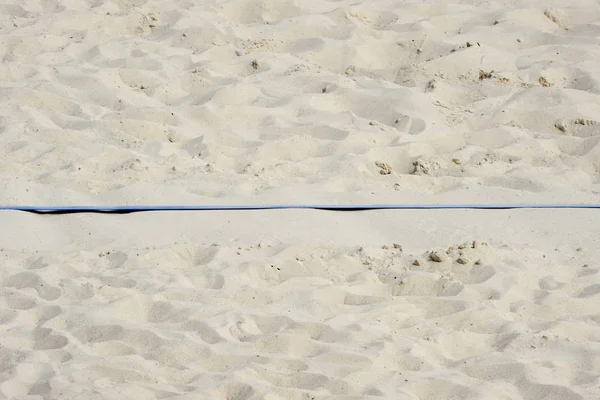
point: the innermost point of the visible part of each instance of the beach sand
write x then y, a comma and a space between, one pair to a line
300, 102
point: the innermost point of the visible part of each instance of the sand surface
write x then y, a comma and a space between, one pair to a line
301, 305
179, 101
298, 102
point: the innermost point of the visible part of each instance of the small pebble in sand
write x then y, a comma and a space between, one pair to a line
456, 161
437, 256
254, 64
561, 126
462, 261
554, 17
485, 75
416, 263
385, 169
475, 244
421, 167
544, 82
398, 246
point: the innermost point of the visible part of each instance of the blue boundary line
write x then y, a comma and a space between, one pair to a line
330, 207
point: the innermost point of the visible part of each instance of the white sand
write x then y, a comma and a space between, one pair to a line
246, 102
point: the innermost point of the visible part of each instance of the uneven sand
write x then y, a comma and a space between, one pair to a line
301, 304
180, 101
298, 102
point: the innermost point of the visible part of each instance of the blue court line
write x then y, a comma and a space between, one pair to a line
330, 207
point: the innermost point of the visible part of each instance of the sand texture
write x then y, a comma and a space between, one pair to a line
182, 101
300, 102
193, 306
137, 317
